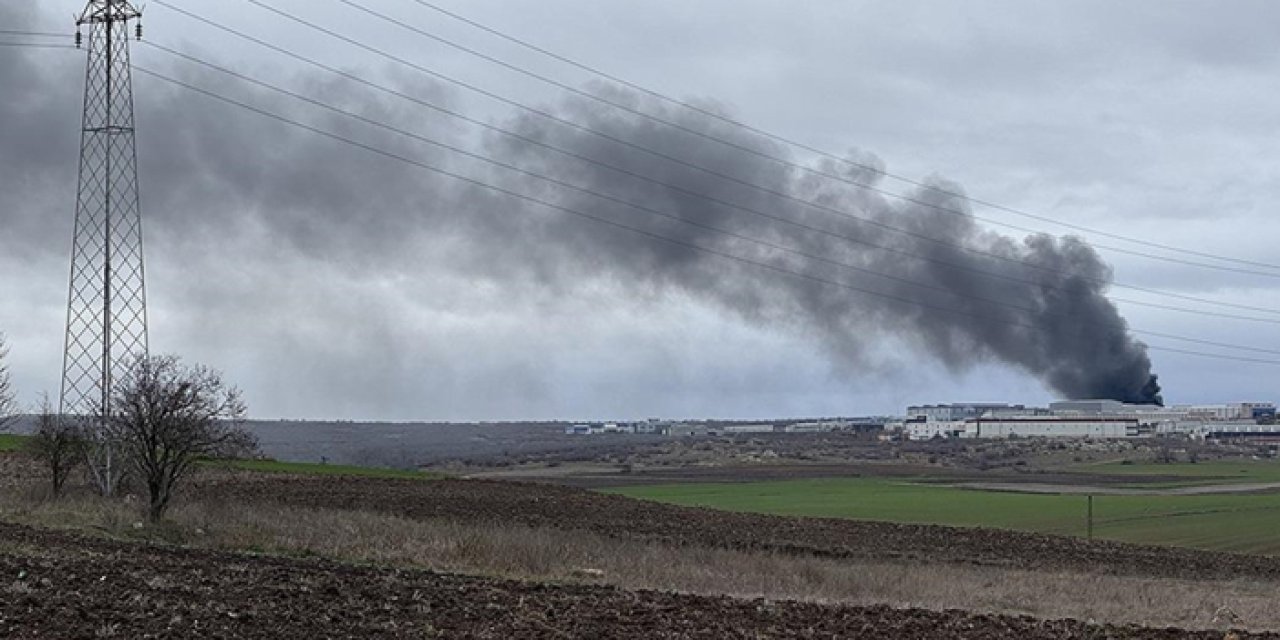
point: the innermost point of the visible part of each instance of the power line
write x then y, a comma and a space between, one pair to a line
613, 223
746, 149
713, 199
825, 154
35, 45
810, 204
34, 34
566, 185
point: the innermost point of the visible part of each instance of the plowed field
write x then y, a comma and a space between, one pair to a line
567, 508
58, 585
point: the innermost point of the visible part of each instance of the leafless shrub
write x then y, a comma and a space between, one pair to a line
8, 404
58, 444
165, 416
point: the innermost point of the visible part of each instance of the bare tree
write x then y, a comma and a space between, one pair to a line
57, 443
8, 405
165, 416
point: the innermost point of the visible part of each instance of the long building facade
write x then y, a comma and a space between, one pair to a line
1085, 419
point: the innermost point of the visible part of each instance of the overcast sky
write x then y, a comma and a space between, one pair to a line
329, 282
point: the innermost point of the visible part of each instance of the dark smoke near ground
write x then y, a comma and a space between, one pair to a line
210, 172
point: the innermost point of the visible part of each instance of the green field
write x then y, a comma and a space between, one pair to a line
1240, 523
1203, 473
10, 442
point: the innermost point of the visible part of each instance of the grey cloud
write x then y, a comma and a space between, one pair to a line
216, 171
325, 217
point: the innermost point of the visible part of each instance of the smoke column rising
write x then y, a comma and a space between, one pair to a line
211, 174
1056, 321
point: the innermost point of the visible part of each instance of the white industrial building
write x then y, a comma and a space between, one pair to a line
1053, 427
735, 429
966, 410
1155, 414
1101, 418
596, 428
821, 426
1087, 407
1026, 427
928, 430
1226, 430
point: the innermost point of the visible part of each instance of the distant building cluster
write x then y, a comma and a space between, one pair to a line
1098, 419
595, 428
1089, 419
678, 428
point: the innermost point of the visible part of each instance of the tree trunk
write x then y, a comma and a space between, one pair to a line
156, 507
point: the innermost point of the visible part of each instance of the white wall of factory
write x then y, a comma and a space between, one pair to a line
1053, 427
1086, 419
936, 429
1028, 427
966, 410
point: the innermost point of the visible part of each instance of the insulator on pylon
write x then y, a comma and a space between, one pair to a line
139, 31
79, 38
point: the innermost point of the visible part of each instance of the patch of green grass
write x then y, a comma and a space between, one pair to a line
1192, 474
1242, 523
10, 442
316, 469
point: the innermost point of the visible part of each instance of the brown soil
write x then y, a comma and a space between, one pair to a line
597, 476
58, 585
540, 505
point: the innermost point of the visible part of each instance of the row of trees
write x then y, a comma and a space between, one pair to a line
160, 419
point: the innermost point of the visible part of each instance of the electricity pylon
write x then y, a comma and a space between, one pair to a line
107, 306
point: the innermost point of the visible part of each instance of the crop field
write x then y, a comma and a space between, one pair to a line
10, 442
1204, 473
614, 566
1242, 523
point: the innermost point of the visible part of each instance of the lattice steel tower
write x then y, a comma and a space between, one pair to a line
107, 307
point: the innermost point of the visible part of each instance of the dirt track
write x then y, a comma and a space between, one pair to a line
63, 586
566, 508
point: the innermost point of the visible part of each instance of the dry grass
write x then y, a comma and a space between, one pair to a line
549, 554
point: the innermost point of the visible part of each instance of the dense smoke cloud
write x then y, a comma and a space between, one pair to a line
210, 171
1044, 309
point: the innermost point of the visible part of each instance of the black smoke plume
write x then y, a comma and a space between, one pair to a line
208, 170
1038, 303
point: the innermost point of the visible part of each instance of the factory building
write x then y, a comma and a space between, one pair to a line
1224, 430
1087, 407
930, 429
1154, 414
822, 426
1239, 431
1257, 410
735, 429
966, 410
1026, 427
1054, 427
593, 428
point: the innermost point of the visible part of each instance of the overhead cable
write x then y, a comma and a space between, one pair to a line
563, 184
774, 192
820, 152
614, 223
756, 152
